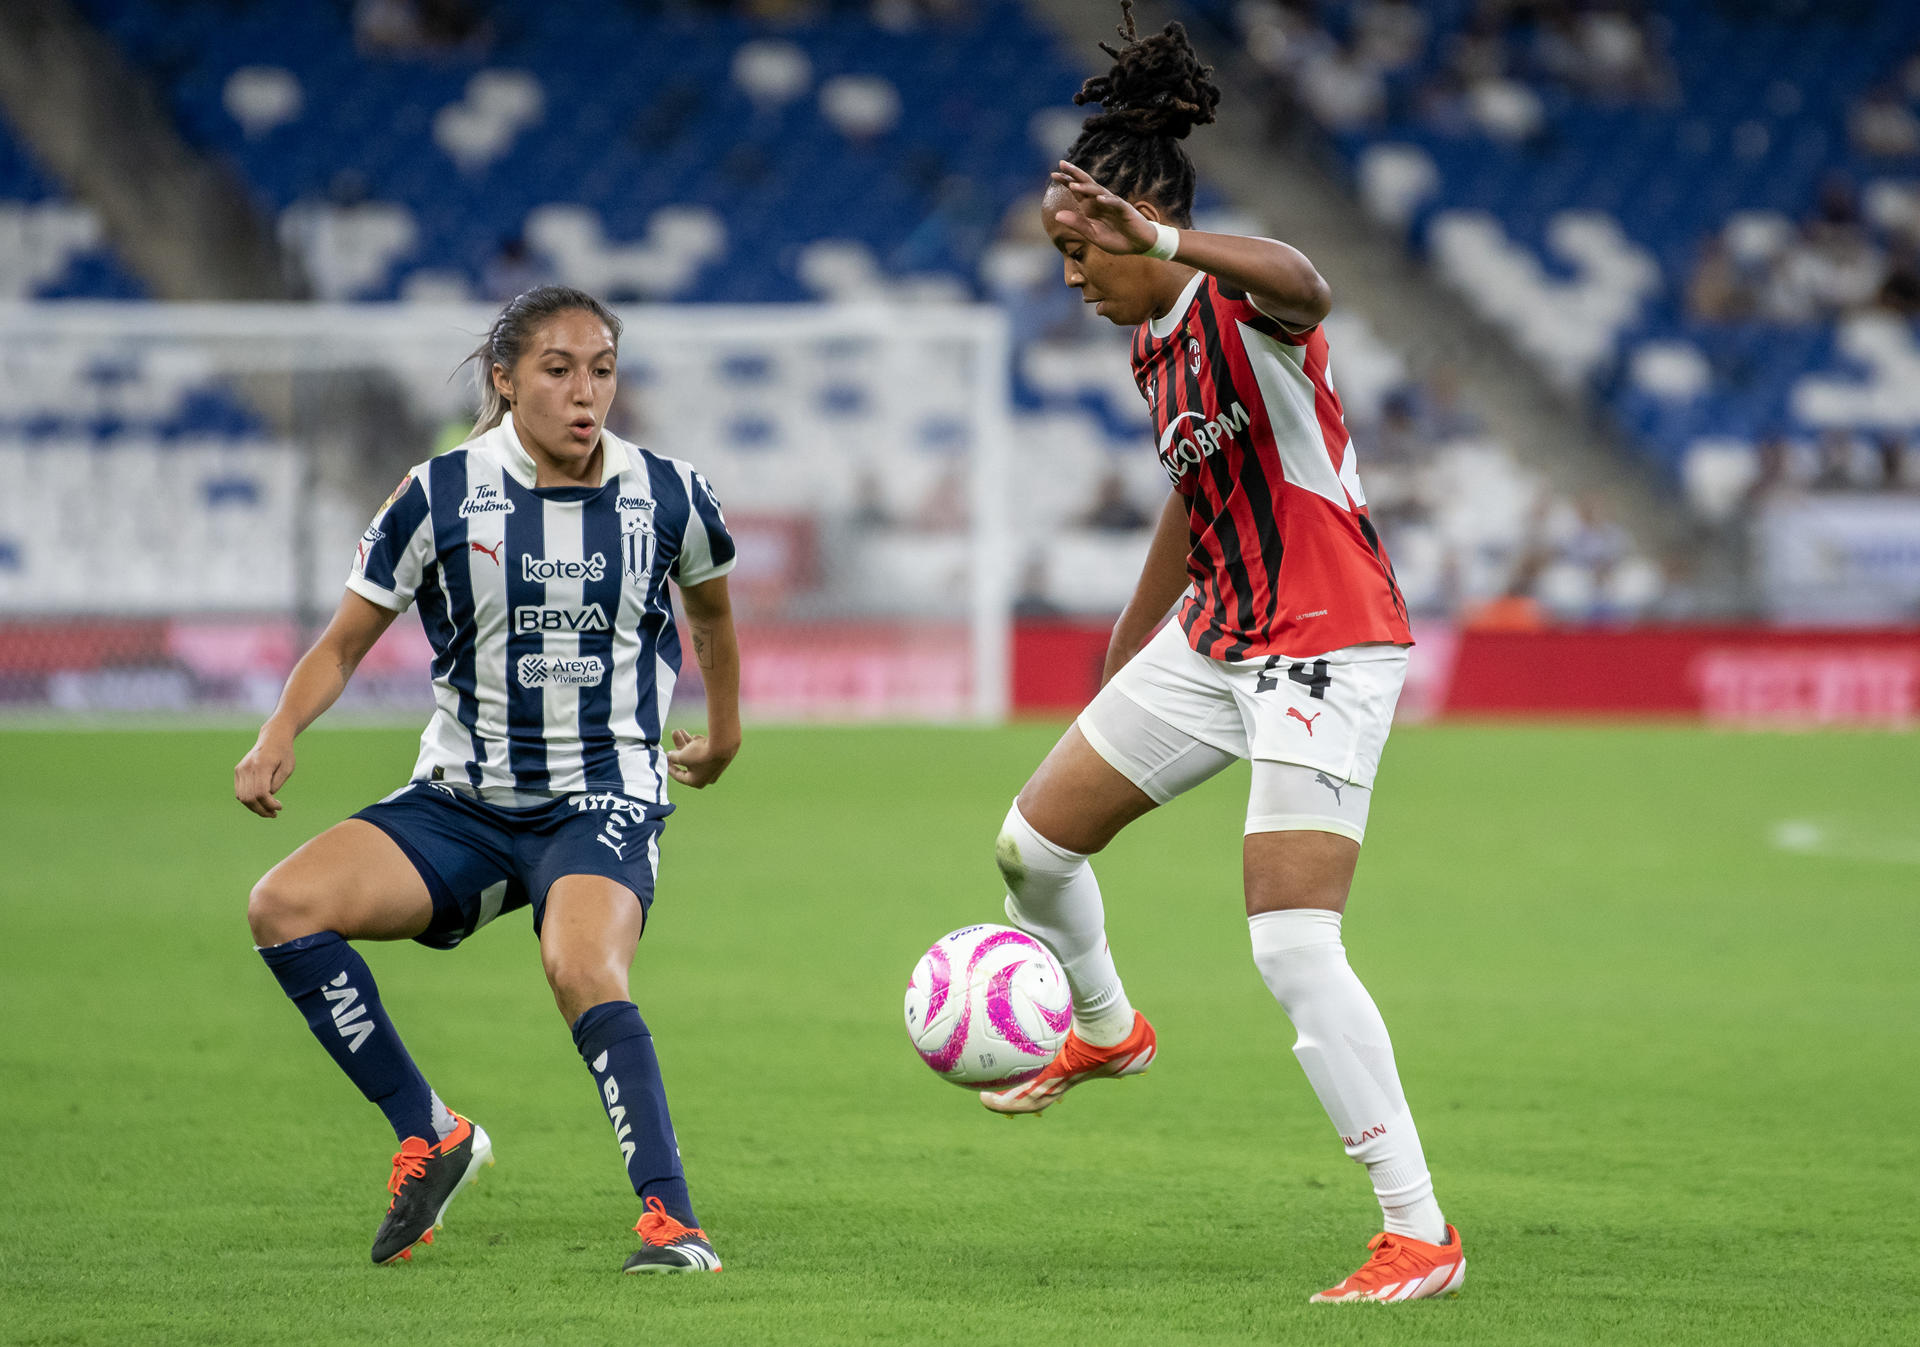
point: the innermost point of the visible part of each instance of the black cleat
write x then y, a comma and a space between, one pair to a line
425, 1179
668, 1246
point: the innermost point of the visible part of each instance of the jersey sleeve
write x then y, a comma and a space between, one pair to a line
707, 551
1239, 306
394, 552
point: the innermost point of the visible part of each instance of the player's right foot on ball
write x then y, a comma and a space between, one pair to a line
668, 1246
426, 1175
1076, 1062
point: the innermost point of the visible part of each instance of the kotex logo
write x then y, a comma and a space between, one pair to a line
544, 569
582, 671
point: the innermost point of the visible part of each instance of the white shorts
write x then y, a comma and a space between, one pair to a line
1314, 728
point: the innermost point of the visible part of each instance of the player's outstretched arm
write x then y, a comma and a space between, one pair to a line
1279, 279
315, 684
698, 759
1162, 581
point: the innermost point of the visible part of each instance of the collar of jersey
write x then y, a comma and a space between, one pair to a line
1162, 327
616, 455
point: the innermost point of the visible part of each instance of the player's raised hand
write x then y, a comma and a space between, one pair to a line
261, 773
1098, 217
696, 760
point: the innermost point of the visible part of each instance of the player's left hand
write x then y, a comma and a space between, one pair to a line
696, 760
1099, 217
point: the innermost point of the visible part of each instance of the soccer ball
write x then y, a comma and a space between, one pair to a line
988, 1007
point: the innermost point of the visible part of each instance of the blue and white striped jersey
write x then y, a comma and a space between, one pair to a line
555, 651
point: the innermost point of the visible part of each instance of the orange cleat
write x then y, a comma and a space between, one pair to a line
1077, 1061
668, 1246
1402, 1268
426, 1176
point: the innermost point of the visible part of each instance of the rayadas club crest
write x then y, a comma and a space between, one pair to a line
636, 539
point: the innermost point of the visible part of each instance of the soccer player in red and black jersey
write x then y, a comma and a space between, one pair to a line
1290, 648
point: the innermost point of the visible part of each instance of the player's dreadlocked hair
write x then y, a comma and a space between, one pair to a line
508, 337
1155, 94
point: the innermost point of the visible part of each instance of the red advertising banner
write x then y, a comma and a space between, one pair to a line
1057, 664
1735, 676
1744, 676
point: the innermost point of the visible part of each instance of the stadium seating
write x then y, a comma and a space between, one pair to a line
50, 247
1572, 167
722, 160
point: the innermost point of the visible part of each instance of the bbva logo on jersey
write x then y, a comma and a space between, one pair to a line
546, 618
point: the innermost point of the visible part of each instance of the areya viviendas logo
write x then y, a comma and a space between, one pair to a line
536, 671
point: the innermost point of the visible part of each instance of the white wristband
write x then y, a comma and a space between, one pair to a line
1166, 242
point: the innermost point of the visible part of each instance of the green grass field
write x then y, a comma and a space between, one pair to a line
1665, 1069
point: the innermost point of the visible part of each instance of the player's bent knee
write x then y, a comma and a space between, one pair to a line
280, 908
1020, 850
580, 982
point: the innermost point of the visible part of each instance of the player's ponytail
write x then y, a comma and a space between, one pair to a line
1156, 92
508, 337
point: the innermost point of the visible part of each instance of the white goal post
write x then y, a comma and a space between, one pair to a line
210, 464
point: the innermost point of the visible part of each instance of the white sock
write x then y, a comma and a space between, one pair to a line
1053, 896
443, 1122
1344, 1049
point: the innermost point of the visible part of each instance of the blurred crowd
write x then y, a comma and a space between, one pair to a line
1848, 256
1839, 461
1351, 65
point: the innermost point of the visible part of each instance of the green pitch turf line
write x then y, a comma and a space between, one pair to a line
1652, 992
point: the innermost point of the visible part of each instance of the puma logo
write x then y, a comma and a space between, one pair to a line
1328, 781
1294, 711
493, 551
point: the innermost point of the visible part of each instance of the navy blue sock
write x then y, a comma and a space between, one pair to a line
614, 1043
334, 989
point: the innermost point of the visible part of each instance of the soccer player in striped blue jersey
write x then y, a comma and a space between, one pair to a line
539, 554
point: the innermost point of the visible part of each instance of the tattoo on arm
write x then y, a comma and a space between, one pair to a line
702, 645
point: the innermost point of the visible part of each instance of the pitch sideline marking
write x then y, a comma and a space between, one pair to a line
1812, 837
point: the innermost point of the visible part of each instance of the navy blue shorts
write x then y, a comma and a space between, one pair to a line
481, 860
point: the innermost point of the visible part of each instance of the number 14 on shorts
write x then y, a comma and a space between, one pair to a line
1313, 677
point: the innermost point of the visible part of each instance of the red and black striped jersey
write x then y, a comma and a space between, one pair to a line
1284, 559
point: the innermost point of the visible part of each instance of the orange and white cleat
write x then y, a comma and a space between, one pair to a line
1076, 1062
1402, 1268
426, 1177
668, 1246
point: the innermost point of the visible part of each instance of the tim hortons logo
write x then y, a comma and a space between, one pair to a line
485, 500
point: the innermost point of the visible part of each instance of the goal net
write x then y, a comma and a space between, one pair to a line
184, 485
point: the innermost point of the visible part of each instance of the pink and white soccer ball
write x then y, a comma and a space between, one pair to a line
988, 1007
